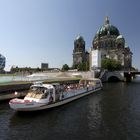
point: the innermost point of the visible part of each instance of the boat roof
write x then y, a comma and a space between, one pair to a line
43, 86
55, 84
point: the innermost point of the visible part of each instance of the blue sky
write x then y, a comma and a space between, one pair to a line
35, 31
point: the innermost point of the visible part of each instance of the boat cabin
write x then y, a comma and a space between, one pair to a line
50, 92
40, 91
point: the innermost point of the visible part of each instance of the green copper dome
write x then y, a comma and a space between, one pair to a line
79, 39
107, 29
120, 39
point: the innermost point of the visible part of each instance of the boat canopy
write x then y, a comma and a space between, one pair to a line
48, 86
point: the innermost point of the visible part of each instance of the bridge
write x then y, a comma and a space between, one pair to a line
129, 75
126, 76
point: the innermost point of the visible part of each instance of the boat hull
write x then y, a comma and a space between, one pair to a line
55, 104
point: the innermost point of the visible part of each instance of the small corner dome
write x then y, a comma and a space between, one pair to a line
126, 46
120, 38
79, 39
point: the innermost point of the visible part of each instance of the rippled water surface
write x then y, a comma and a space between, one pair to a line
110, 114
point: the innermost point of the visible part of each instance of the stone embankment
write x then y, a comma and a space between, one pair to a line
13, 87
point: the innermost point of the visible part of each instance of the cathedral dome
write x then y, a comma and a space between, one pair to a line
107, 29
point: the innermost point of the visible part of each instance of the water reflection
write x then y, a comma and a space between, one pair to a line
114, 110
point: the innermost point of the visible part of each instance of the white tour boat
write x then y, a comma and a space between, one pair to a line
45, 96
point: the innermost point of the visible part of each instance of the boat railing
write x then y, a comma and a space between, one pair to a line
75, 89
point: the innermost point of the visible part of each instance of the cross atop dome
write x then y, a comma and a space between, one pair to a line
106, 20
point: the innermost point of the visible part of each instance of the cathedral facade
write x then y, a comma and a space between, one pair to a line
112, 45
109, 42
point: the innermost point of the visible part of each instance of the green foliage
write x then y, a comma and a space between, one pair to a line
83, 66
80, 67
111, 64
24, 69
65, 67
74, 66
134, 69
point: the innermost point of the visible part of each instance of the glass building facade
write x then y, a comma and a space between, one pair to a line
2, 62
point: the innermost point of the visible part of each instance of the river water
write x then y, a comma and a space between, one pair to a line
110, 114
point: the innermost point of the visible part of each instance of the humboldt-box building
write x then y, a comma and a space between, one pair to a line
2, 62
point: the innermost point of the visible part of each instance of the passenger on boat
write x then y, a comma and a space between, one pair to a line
87, 87
81, 85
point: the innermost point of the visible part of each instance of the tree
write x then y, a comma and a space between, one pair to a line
65, 67
80, 67
111, 64
83, 66
75, 66
134, 69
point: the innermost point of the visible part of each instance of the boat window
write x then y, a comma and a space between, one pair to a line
38, 92
45, 93
42, 96
33, 88
31, 94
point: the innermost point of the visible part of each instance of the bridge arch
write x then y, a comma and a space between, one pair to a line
113, 79
112, 76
